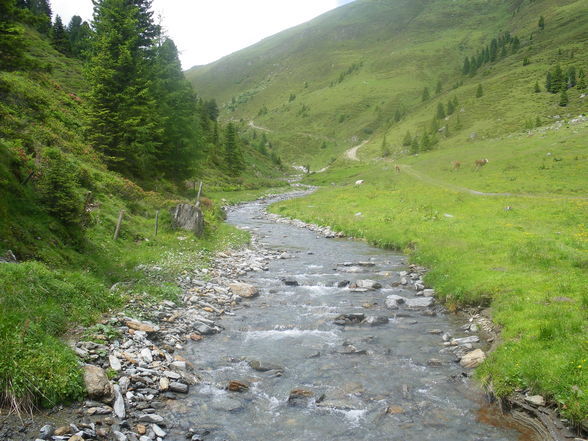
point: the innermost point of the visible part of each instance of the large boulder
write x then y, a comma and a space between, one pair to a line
188, 217
97, 384
473, 359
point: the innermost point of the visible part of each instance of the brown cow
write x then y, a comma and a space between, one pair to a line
455, 165
397, 169
478, 163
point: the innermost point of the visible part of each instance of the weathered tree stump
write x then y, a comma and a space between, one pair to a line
188, 217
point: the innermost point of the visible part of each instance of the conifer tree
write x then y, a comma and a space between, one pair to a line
537, 88
440, 111
425, 142
581, 80
515, 45
385, 148
233, 155
548, 81
571, 82
563, 98
557, 80
407, 139
450, 107
59, 37
181, 142
479, 91
79, 34
541, 23
466, 66
426, 94
397, 115
414, 145
439, 87
124, 123
11, 37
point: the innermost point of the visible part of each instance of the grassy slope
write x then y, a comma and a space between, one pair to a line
404, 46
66, 272
528, 262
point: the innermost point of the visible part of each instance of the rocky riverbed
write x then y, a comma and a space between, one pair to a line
151, 381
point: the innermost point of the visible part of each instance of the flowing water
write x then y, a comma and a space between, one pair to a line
355, 372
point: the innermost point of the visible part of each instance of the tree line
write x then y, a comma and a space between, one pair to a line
144, 118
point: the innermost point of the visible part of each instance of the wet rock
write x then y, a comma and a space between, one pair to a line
151, 418
142, 326
227, 405
97, 385
394, 301
376, 320
119, 403
300, 397
237, 386
158, 431
47, 431
465, 340
429, 292
434, 362
473, 359
394, 410
535, 400
421, 302
290, 282
261, 366
349, 319
244, 290
205, 330
368, 284
179, 387
343, 283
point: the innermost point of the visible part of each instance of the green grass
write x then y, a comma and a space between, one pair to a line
530, 263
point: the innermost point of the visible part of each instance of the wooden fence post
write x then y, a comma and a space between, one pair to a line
199, 193
118, 224
156, 222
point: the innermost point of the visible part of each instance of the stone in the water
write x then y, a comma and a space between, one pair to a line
300, 397
394, 301
429, 292
261, 366
421, 302
205, 330
244, 290
368, 284
473, 359
343, 283
394, 410
465, 340
376, 321
97, 384
290, 282
349, 319
227, 405
434, 362
237, 386
535, 400
179, 387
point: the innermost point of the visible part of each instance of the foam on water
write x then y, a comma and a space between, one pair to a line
277, 334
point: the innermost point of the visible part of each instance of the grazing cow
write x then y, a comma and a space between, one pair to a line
479, 163
397, 169
359, 182
455, 165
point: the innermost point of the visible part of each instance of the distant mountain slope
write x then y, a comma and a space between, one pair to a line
350, 74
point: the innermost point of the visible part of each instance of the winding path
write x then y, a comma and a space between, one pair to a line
352, 152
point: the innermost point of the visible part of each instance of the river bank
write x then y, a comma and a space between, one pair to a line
147, 360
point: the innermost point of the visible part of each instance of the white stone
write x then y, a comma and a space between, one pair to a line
473, 359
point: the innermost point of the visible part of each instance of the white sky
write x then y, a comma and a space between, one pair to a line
206, 30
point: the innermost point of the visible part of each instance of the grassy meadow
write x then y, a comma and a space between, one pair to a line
524, 255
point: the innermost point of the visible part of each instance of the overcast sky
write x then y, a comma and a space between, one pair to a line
206, 30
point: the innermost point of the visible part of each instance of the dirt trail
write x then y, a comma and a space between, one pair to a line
352, 152
263, 129
429, 180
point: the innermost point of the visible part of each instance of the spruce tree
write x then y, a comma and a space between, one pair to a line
407, 139
441, 111
414, 146
466, 66
59, 37
558, 81
397, 115
181, 142
479, 91
537, 88
563, 98
425, 142
572, 81
541, 23
581, 80
548, 81
233, 155
385, 149
79, 34
439, 87
426, 94
11, 37
450, 107
124, 123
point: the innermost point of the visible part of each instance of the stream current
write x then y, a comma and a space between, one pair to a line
355, 372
